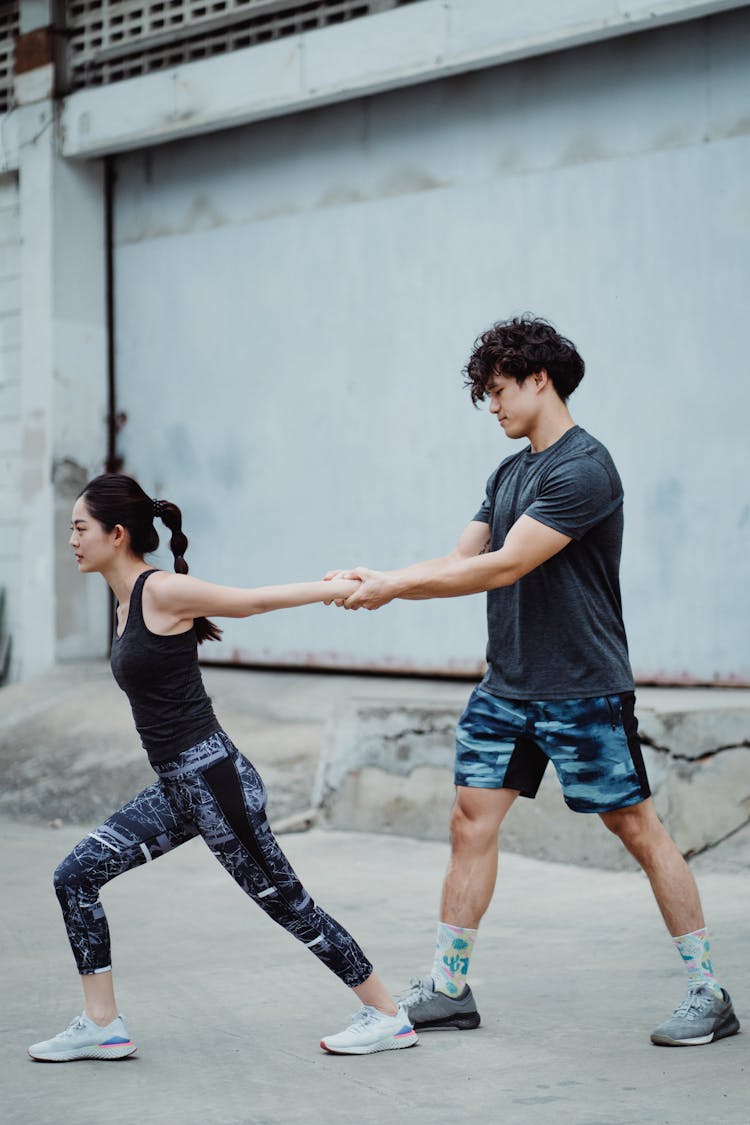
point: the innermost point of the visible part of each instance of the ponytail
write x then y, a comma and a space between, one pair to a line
115, 498
171, 516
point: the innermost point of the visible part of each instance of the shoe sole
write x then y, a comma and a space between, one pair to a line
395, 1044
105, 1054
731, 1028
450, 1023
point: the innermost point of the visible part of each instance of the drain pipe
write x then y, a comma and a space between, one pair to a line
113, 462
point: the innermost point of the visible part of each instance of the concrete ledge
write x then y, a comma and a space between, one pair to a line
387, 767
383, 751
418, 43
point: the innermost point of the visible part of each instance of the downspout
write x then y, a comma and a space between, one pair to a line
113, 462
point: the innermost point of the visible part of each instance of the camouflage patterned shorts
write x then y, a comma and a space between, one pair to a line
592, 743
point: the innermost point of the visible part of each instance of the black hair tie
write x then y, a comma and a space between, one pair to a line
157, 507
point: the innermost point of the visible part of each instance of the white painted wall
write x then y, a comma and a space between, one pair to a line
295, 300
10, 403
81, 626
390, 50
53, 390
601, 186
61, 428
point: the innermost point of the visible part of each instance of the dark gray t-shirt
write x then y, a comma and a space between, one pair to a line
558, 632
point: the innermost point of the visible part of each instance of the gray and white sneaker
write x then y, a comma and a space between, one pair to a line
372, 1030
702, 1017
84, 1039
429, 1010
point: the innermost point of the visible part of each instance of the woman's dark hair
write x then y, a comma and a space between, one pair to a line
115, 498
518, 348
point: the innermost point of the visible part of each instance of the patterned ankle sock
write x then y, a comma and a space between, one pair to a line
453, 948
695, 950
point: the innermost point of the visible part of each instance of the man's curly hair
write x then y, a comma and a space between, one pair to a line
521, 347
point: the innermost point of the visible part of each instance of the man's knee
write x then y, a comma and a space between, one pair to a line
637, 826
475, 821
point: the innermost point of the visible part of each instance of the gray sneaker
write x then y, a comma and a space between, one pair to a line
429, 1010
701, 1018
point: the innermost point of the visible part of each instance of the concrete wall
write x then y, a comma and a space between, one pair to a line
10, 403
53, 375
295, 300
387, 766
427, 40
63, 393
602, 186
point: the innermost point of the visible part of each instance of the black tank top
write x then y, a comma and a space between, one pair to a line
162, 680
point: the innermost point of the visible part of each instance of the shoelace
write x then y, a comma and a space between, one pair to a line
366, 1016
77, 1025
695, 1003
417, 990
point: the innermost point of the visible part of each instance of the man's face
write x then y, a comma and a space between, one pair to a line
516, 405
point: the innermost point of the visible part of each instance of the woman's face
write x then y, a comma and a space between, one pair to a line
92, 546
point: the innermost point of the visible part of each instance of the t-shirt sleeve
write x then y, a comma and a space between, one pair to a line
576, 496
484, 514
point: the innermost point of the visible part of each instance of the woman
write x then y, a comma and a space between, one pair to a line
204, 785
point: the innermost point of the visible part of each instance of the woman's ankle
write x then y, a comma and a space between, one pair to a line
101, 1017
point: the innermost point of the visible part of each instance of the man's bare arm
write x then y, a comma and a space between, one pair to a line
474, 540
469, 569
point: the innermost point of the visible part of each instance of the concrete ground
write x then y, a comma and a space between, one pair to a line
571, 972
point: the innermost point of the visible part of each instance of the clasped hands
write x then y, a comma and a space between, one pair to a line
374, 588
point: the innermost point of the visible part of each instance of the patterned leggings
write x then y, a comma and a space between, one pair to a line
212, 791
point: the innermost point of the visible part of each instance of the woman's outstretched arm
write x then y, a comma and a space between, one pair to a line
185, 596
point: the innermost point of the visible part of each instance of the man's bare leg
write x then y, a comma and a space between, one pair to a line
472, 871
706, 1014
444, 999
671, 879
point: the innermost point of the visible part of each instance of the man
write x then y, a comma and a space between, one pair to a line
546, 546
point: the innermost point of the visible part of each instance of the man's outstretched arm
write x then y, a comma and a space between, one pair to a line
469, 569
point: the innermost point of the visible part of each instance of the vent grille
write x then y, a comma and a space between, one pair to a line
9, 28
110, 40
